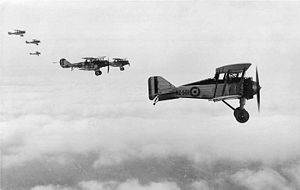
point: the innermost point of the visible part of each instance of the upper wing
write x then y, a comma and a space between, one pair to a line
234, 68
89, 58
101, 57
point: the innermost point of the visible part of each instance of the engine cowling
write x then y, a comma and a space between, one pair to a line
248, 88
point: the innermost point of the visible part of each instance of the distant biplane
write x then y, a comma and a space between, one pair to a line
34, 41
35, 53
90, 64
94, 64
119, 62
229, 83
17, 32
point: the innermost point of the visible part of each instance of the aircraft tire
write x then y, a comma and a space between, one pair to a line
241, 115
97, 73
122, 69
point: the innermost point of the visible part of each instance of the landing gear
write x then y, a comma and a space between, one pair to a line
97, 73
240, 114
122, 68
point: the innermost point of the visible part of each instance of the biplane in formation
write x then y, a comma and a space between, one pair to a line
95, 64
35, 53
17, 32
34, 41
229, 83
119, 62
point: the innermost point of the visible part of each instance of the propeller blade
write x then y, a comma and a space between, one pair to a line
108, 65
258, 90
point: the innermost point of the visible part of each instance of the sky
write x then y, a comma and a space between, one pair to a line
63, 130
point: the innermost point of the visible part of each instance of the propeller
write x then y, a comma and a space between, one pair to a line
108, 65
258, 90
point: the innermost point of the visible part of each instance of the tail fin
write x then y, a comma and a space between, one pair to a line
64, 63
158, 85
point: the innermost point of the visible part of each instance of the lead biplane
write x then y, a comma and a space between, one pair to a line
90, 64
229, 83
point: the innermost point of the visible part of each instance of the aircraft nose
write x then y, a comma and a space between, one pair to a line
255, 87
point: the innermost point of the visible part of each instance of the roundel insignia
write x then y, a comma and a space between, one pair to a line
195, 91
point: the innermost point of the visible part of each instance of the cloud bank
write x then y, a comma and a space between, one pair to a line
77, 148
128, 185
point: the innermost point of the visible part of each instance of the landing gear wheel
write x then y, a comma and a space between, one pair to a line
97, 73
122, 69
241, 115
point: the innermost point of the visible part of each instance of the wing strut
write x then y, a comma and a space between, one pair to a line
242, 81
226, 76
217, 80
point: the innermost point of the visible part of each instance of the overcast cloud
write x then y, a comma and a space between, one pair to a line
63, 130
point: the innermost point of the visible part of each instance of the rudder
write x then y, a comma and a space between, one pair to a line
64, 63
158, 85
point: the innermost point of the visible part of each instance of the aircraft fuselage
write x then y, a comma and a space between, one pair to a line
206, 89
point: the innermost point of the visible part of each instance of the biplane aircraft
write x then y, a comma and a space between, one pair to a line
17, 32
35, 53
34, 41
229, 83
90, 64
118, 62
